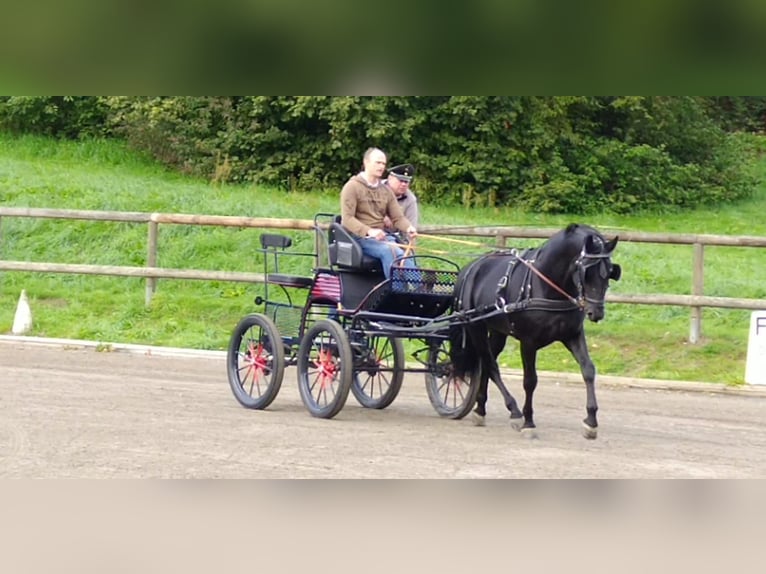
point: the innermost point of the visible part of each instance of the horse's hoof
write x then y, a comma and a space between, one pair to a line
516, 415
518, 425
529, 433
589, 432
478, 420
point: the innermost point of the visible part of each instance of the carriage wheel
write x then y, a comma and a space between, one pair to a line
255, 361
379, 374
325, 369
450, 396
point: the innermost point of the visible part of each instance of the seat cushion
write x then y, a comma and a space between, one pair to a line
289, 280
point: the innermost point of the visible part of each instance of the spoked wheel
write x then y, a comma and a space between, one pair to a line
325, 369
450, 396
256, 361
378, 372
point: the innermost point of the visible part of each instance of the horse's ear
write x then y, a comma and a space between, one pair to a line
610, 245
616, 272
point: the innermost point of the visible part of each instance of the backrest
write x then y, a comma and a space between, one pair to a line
274, 244
275, 241
345, 252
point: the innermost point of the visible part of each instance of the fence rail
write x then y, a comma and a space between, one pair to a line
696, 301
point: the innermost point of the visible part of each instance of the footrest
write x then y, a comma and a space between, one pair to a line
289, 280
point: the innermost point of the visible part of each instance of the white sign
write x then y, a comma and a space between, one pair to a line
755, 370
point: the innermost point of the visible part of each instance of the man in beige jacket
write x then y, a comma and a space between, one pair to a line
365, 202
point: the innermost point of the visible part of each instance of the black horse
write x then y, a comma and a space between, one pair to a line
538, 297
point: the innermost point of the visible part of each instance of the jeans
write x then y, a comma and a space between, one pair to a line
386, 250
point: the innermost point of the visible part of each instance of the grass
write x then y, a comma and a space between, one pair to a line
634, 340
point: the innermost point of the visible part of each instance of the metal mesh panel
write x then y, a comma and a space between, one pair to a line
287, 318
427, 281
377, 296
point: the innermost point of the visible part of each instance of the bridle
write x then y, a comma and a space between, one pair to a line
584, 262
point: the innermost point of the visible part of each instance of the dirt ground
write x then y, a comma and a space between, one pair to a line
81, 413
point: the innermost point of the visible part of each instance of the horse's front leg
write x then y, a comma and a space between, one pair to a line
579, 349
529, 363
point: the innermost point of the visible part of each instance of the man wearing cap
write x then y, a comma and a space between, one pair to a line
398, 181
365, 203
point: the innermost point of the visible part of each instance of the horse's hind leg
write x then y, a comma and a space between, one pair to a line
489, 370
480, 412
496, 345
478, 337
579, 349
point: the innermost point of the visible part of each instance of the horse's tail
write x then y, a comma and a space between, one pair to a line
463, 356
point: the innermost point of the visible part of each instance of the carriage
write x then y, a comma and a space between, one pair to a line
348, 335
344, 328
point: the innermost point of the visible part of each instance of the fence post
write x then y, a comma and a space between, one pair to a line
698, 280
151, 261
500, 240
2, 247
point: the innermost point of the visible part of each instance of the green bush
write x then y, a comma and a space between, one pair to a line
554, 154
58, 116
738, 113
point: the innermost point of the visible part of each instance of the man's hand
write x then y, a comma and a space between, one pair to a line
387, 223
412, 232
378, 234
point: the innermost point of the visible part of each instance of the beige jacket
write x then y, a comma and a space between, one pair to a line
363, 207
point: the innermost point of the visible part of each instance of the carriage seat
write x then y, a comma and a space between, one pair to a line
274, 244
290, 280
346, 253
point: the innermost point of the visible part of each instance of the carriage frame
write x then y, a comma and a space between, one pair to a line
344, 328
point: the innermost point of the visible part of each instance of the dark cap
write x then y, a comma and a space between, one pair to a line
404, 172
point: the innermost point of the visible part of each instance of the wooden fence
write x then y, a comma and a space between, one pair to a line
696, 301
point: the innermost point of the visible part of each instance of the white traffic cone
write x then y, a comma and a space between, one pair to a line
22, 321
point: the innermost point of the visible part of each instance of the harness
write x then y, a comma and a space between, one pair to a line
525, 292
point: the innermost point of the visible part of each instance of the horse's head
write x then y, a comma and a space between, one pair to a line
593, 270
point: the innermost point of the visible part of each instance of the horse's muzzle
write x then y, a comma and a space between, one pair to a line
594, 313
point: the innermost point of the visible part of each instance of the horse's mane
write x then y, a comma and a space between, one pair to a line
581, 229
583, 232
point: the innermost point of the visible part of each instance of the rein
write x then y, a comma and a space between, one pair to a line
450, 240
579, 301
408, 250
